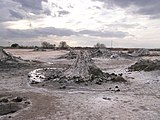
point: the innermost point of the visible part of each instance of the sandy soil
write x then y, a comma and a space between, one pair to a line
138, 99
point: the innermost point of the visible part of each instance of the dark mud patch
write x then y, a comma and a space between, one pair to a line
145, 65
11, 104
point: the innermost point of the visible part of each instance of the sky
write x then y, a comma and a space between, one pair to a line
125, 23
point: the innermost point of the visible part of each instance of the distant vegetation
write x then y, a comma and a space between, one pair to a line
44, 45
15, 45
99, 45
63, 46
47, 45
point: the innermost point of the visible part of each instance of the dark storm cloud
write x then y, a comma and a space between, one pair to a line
34, 6
145, 7
43, 32
31, 4
18, 9
32, 33
6, 10
141, 3
150, 10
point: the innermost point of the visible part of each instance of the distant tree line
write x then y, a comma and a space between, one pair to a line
44, 45
47, 45
15, 45
63, 45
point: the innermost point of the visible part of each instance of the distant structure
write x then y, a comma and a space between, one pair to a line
111, 43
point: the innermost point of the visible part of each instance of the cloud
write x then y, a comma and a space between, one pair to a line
16, 14
116, 34
122, 25
140, 3
55, 31
62, 13
144, 7
153, 10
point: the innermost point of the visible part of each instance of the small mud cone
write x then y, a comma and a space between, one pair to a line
83, 69
81, 66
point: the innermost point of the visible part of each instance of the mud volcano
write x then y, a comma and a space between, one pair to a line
83, 71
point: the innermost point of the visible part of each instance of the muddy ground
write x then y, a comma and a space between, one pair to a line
138, 99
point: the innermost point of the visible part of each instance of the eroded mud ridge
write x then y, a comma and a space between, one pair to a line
83, 70
146, 65
11, 104
71, 55
8, 61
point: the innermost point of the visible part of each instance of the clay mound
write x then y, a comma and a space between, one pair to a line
109, 54
125, 55
146, 65
100, 53
83, 70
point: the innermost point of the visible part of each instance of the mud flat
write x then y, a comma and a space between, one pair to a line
138, 99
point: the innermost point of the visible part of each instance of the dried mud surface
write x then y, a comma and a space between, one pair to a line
138, 99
